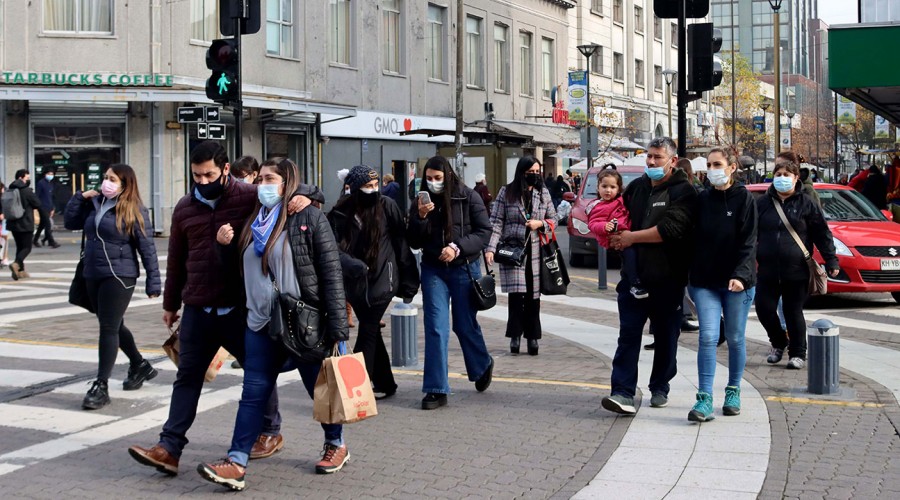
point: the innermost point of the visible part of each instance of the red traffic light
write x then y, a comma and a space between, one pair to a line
222, 55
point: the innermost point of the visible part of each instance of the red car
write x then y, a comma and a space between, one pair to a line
866, 241
583, 244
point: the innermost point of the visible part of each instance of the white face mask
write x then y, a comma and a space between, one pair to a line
49, 177
718, 177
436, 187
368, 190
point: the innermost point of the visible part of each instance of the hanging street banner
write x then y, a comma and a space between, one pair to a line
786, 135
578, 98
846, 111
882, 128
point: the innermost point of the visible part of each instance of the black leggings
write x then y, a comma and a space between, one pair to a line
370, 342
23, 246
794, 295
110, 299
524, 310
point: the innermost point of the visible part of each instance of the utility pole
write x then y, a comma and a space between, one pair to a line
733, 86
460, 60
238, 105
682, 80
836, 152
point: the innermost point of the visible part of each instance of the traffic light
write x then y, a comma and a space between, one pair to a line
704, 68
668, 9
223, 59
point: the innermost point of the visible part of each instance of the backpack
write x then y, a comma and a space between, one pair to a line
12, 205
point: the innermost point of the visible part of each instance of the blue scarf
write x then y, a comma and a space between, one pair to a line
262, 228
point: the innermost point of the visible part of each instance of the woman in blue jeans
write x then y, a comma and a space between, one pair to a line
450, 224
723, 279
297, 255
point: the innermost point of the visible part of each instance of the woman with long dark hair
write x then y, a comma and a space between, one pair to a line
377, 265
116, 228
449, 222
523, 207
297, 255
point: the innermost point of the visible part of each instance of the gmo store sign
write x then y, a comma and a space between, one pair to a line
376, 125
85, 79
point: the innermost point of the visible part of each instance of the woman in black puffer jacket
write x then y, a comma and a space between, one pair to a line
782, 271
116, 228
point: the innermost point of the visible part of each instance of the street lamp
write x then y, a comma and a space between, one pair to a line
669, 75
764, 107
790, 115
588, 51
776, 28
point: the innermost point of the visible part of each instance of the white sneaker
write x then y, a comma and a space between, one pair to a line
796, 363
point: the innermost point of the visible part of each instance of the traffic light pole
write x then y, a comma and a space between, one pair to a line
682, 79
238, 106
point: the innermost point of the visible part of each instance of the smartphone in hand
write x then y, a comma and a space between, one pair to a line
424, 197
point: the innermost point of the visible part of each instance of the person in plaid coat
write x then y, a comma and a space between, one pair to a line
522, 207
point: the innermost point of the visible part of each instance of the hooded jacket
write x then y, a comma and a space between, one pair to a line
30, 202
471, 227
670, 207
600, 212
726, 233
778, 255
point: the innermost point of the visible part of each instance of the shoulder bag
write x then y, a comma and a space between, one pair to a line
484, 289
818, 279
78, 294
296, 325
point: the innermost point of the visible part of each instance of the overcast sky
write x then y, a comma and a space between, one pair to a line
838, 11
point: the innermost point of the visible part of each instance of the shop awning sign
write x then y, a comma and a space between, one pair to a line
85, 79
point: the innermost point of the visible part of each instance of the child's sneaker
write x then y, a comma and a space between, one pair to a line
638, 292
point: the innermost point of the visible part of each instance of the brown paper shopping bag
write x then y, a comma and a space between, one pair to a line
215, 365
172, 347
343, 393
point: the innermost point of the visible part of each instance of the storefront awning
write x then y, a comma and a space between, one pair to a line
544, 135
859, 69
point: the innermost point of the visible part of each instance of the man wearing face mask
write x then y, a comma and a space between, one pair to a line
662, 204
45, 191
377, 264
23, 227
205, 276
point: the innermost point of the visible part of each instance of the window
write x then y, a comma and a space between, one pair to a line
638, 19
618, 67
657, 77
526, 68
474, 51
547, 68
597, 61
79, 16
436, 42
597, 6
639, 72
204, 20
501, 58
280, 28
390, 13
657, 28
673, 31
339, 31
617, 12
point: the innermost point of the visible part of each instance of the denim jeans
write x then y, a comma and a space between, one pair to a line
263, 362
711, 305
664, 310
442, 286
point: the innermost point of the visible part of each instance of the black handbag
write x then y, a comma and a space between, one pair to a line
484, 289
296, 325
511, 252
78, 294
554, 276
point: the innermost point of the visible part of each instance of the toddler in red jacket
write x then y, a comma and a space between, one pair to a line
608, 215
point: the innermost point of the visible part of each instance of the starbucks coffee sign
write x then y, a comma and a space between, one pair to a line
85, 79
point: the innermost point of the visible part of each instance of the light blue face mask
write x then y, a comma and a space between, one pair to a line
268, 195
783, 184
655, 173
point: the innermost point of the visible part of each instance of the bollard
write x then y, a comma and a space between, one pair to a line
601, 268
404, 347
823, 358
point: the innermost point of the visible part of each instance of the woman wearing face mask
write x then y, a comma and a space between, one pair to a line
116, 229
523, 207
783, 272
298, 255
451, 227
245, 169
377, 266
722, 279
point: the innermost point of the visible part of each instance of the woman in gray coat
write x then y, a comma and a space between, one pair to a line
522, 207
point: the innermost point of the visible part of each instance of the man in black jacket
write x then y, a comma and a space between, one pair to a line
23, 227
662, 205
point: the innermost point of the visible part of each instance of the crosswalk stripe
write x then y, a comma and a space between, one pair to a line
55, 420
12, 318
24, 293
25, 378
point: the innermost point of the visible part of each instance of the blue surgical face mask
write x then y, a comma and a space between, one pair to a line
718, 177
783, 184
268, 195
655, 173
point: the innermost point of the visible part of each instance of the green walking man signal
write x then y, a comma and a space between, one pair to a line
223, 84
222, 58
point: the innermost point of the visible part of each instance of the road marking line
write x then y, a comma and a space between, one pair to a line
592, 280
588, 385
808, 401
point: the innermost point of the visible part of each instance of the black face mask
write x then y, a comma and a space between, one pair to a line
212, 190
367, 200
532, 179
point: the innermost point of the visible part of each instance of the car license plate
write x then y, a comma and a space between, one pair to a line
890, 264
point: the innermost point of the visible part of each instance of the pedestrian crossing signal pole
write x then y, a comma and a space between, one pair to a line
239, 103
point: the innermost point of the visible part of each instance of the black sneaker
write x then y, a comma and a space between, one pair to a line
638, 292
97, 396
138, 374
484, 381
434, 400
649, 347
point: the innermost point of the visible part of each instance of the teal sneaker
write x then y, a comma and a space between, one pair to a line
732, 404
703, 408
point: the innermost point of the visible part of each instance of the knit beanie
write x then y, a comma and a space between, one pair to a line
359, 176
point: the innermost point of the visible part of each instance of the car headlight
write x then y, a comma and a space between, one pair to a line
841, 249
580, 226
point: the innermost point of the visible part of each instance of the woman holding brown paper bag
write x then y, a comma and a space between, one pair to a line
282, 254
